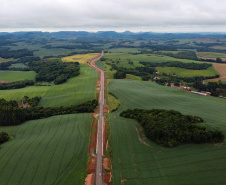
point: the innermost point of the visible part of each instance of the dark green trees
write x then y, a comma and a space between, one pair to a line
171, 128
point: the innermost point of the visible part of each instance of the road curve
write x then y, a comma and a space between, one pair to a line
99, 145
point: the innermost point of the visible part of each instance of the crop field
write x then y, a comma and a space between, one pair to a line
17, 75
47, 151
210, 55
5, 60
82, 59
146, 57
124, 50
18, 65
41, 52
187, 72
75, 91
138, 161
221, 69
221, 47
100, 64
122, 60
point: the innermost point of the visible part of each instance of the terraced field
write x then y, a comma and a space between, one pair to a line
47, 151
17, 75
75, 91
138, 161
82, 59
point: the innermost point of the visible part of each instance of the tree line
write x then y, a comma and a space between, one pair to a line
12, 114
171, 128
16, 85
6, 53
137, 71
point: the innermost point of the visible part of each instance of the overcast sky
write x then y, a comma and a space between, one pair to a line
117, 15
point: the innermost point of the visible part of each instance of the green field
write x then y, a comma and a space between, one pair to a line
46, 151
75, 91
138, 161
187, 72
17, 75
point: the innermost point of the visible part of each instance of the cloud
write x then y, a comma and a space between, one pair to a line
142, 15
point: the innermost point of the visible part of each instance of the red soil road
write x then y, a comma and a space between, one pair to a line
91, 178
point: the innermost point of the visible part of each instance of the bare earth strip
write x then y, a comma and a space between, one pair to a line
3, 81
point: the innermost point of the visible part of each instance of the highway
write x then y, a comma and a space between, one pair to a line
99, 145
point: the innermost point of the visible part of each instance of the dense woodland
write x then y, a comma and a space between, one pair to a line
58, 72
171, 128
12, 114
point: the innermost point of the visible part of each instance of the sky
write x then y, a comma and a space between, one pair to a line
115, 15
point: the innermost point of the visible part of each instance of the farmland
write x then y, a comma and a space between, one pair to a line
211, 55
137, 160
17, 75
75, 91
5, 60
186, 72
47, 151
221, 69
145, 57
123, 60
124, 50
82, 59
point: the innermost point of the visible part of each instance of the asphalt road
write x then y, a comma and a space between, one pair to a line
99, 146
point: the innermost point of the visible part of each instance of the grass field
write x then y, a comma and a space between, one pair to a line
47, 151
82, 59
17, 75
138, 161
186, 72
75, 91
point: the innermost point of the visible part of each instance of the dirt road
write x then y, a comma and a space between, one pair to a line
99, 146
